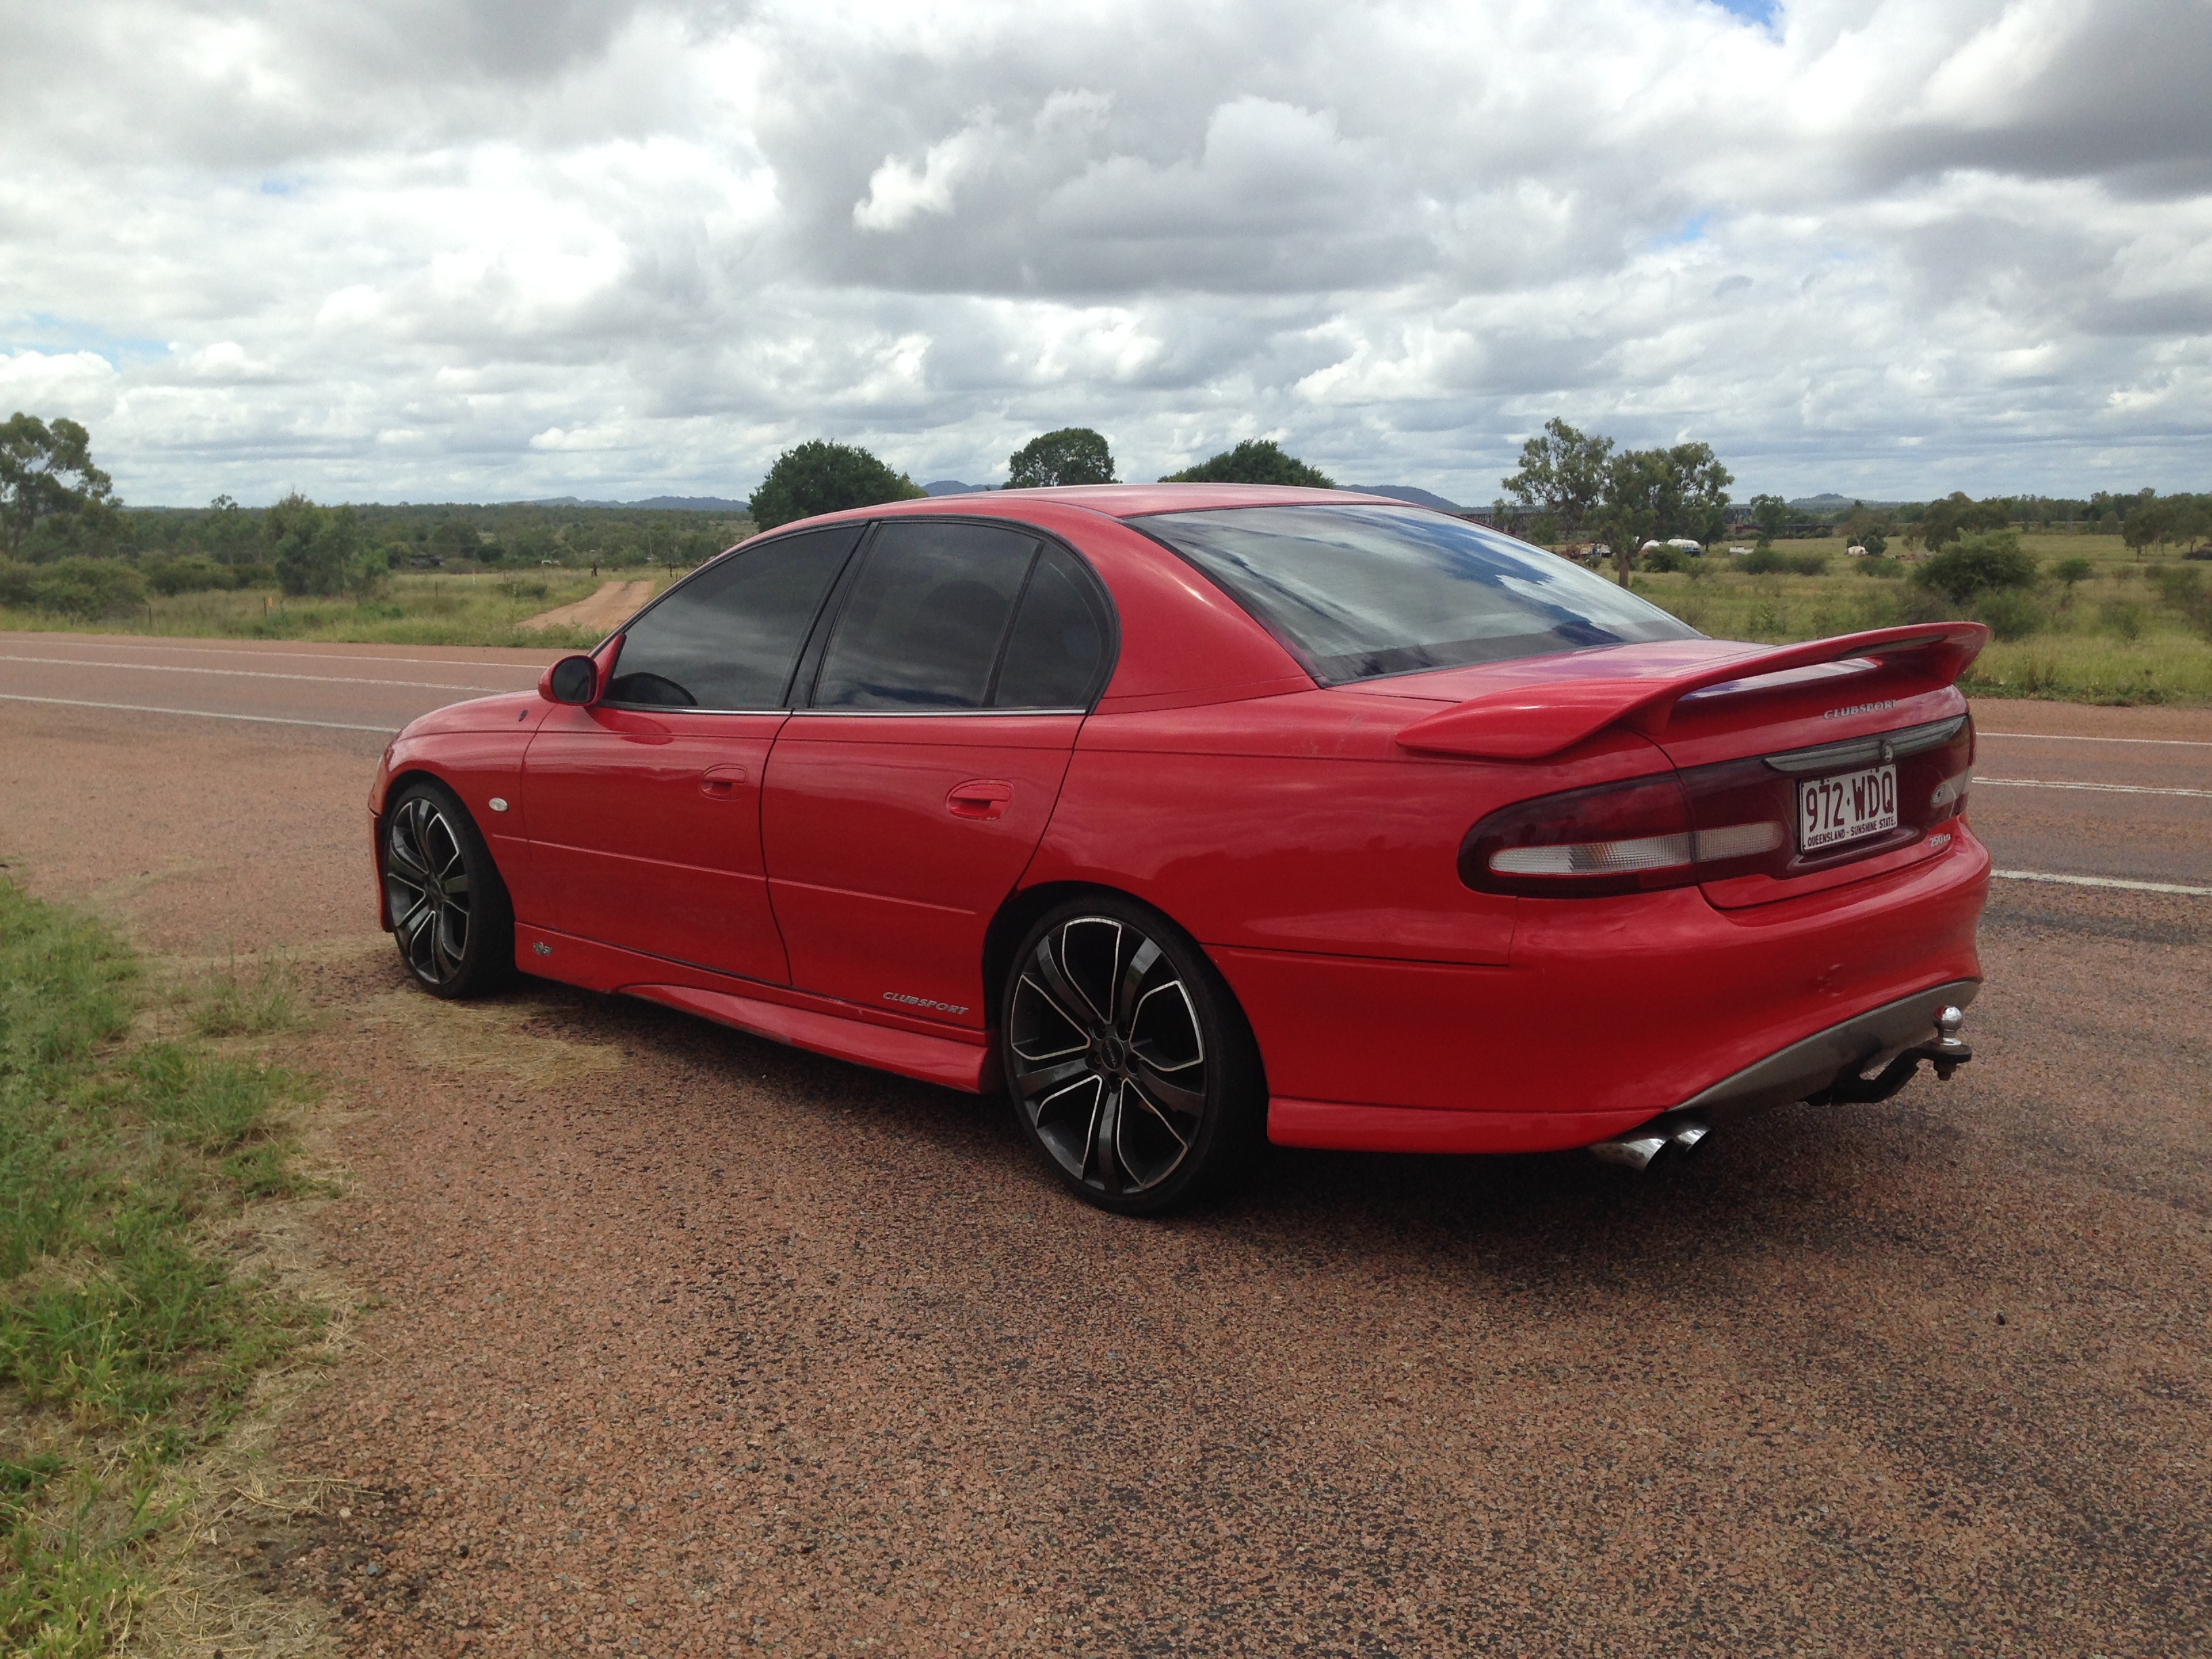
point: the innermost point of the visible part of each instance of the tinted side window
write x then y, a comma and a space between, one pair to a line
728, 637
1059, 641
921, 626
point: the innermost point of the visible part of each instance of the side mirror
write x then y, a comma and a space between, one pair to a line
572, 679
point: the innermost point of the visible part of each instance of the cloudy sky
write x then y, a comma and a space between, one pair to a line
492, 249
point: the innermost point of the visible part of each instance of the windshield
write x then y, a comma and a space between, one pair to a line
1365, 591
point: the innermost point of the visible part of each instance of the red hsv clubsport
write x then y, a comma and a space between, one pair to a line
1189, 815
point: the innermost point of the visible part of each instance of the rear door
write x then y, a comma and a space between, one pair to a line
904, 799
643, 809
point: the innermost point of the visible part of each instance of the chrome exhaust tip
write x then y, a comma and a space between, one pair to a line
1630, 1152
1690, 1133
1636, 1152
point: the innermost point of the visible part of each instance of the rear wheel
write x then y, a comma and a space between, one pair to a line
450, 912
1129, 1064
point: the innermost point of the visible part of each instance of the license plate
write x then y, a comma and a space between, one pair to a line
1846, 806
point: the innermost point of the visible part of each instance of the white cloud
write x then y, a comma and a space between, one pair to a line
898, 192
484, 248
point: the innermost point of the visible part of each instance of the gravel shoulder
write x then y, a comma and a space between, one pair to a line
680, 1341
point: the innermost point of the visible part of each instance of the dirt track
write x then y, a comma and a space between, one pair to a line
611, 606
682, 1341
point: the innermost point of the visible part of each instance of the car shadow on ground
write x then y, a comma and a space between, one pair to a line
1813, 1182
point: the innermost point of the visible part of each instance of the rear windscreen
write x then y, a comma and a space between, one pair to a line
1365, 591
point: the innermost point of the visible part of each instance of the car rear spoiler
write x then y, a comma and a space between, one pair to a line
1527, 722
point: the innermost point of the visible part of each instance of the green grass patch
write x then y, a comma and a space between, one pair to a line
126, 1340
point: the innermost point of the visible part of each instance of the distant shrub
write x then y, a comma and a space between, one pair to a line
1662, 558
2011, 613
2071, 571
84, 589
1979, 564
1770, 560
2123, 619
1887, 569
2182, 589
193, 573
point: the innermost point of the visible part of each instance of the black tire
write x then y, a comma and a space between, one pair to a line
1129, 1064
451, 915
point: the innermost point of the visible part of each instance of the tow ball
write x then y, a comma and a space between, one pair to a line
1882, 1075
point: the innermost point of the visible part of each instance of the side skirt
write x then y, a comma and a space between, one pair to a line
822, 1025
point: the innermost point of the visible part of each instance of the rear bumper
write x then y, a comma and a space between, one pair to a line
1612, 1013
1804, 1069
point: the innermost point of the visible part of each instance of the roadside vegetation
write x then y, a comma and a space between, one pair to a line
136, 1132
2072, 616
2106, 599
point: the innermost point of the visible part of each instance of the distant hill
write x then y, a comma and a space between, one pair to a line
1407, 493
653, 504
952, 487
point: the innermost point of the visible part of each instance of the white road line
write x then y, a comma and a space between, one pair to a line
200, 713
2104, 788
315, 656
255, 674
2104, 881
2062, 737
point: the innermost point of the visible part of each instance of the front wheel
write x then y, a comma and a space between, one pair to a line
450, 912
1128, 1062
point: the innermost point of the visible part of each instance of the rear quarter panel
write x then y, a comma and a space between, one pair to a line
1295, 824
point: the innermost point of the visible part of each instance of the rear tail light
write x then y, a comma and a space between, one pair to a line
1711, 822
1616, 838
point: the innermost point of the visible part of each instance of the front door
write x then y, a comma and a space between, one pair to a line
905, 796
643, 809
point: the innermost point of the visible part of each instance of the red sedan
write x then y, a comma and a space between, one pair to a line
1191, 815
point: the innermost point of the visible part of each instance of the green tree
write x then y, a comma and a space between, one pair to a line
820, 477
1256, 461
1772, 514
1649, 493
315, 549
47, 470
1956, 515
2153, 524
455, 538
1073, 455
1562, 479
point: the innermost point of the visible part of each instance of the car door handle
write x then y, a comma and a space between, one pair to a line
984, 798
720, 783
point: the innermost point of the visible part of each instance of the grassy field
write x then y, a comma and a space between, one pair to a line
139, 1126
436, 609
2110, 637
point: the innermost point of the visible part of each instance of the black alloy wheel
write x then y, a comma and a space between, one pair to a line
450, 912
1127, 1060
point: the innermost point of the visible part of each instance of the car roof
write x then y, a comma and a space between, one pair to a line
1128, 500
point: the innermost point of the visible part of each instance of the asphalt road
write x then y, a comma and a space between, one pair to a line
685, 1342
2061, 788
